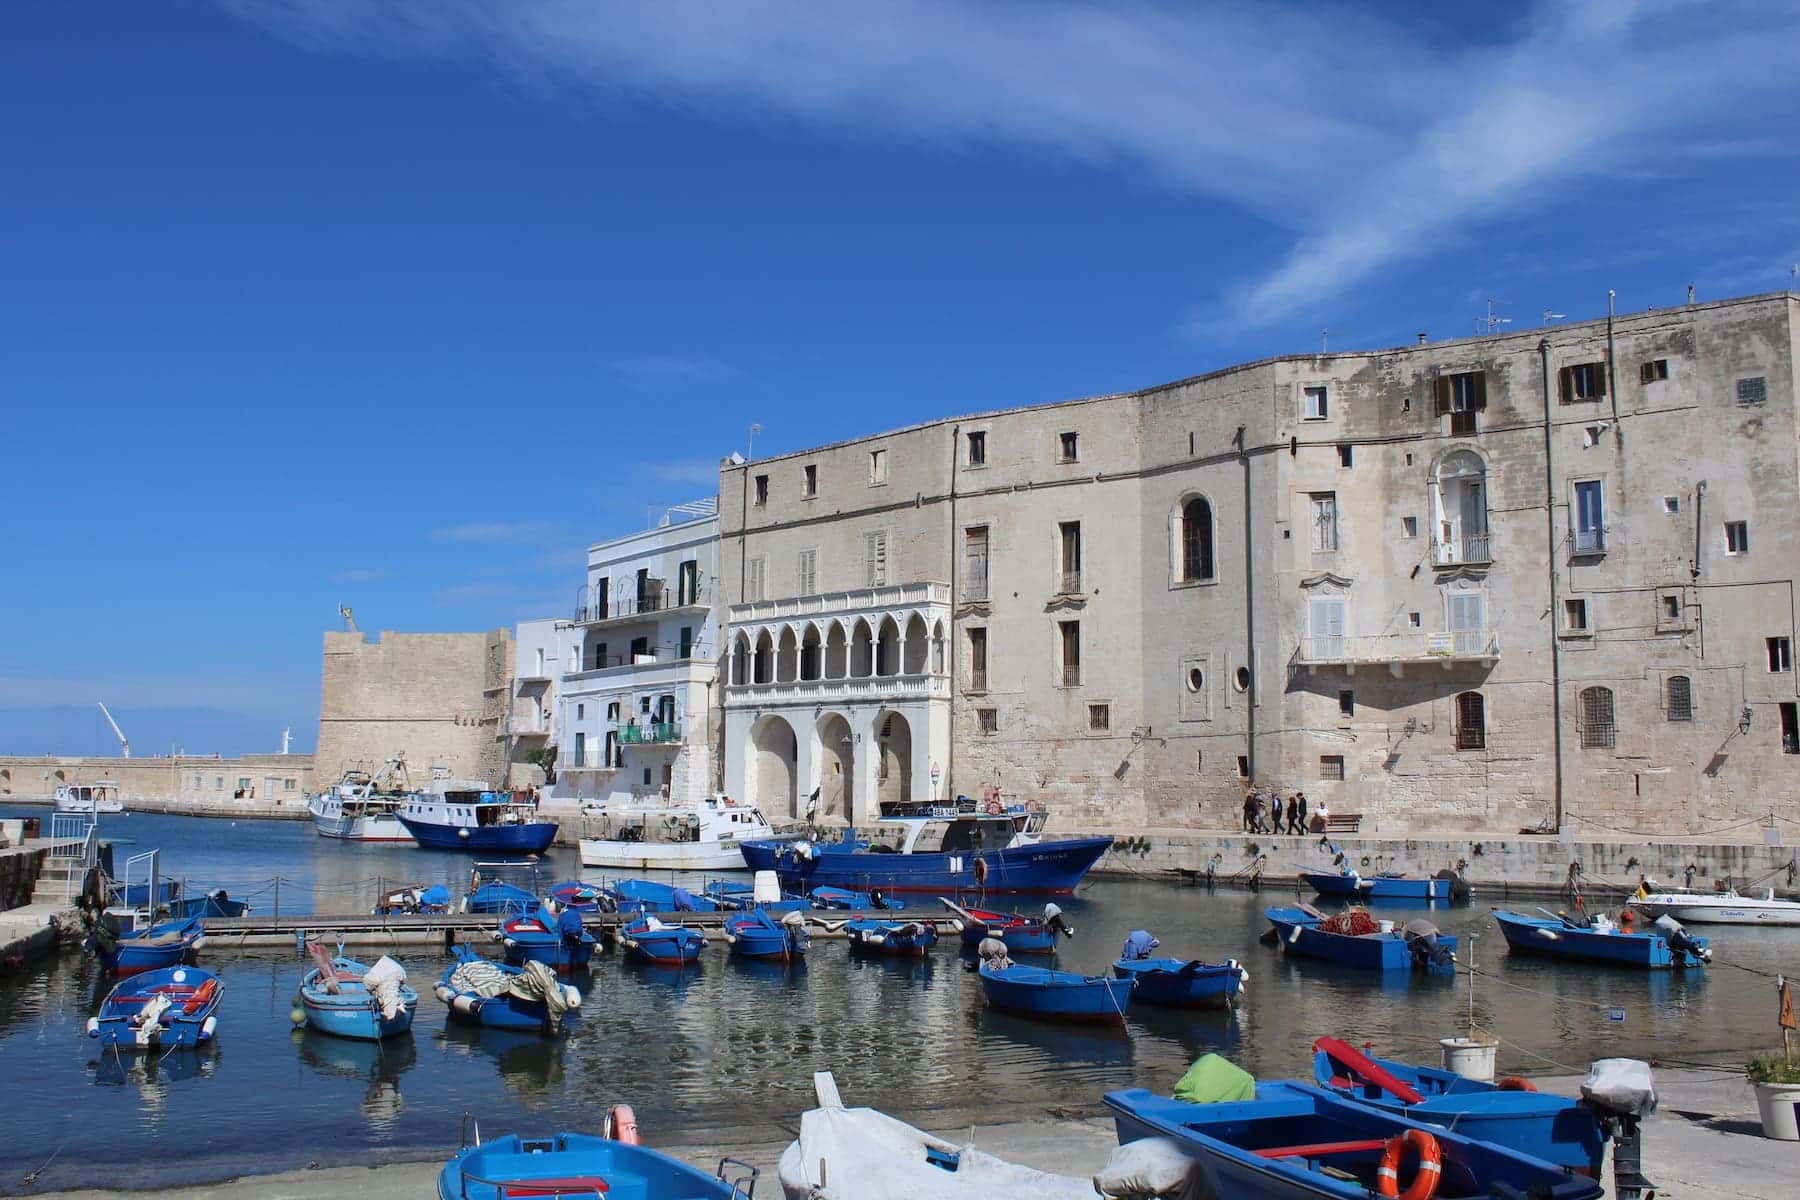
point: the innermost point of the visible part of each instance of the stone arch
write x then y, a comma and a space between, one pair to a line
915, 654
862, 650
1459, 507
837, 652
787, 656
1193, 548
893, 765
762, 667
773, 766
887, 647
937, 648
836, 757
740, 658
812, 658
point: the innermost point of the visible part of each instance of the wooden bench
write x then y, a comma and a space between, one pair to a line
1343, 823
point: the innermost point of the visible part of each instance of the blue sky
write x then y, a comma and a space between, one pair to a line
401, 304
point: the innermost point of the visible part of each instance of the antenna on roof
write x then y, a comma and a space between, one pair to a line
754, 430
1553, 316
1324, 341
1491, 323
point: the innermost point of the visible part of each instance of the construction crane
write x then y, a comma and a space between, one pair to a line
344, 612
124, 742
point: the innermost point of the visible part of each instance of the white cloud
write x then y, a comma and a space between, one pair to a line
1367, 140
659, 369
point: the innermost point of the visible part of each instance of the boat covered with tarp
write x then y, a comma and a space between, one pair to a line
892, 939
146, 949
498, 996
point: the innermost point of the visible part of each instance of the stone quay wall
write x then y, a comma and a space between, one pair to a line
250, 785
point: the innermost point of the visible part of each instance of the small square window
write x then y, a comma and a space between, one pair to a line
1318, 404
1737, 537
877, 466
1583, 381
978, 449
1409, 527
1781, 654
243, 784
1346, 456
646, 776
1331, 766
762, 490
1347, 703
1754, 390
1412, 618
1199, 759
287, 785
1672, 504
580, 711
1655, 369
1099, 718
1591, 435
1070, 443
809, 481
1575, 616
1671, 609
988, 720
1243, 766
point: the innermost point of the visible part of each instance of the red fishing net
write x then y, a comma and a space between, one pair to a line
1353, 922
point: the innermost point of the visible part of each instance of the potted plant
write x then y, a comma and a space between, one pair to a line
1777, 1082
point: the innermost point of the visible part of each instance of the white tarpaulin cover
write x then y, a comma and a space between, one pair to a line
861, 1154
383, 981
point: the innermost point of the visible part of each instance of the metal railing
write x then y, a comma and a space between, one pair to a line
1587, 541
1397, 648
654, 733
653, 601
1467, 548
1071, 583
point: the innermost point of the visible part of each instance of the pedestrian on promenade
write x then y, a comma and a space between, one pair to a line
1297, 813
1275, 812
1250, 807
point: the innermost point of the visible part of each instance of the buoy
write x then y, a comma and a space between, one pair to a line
462, 833
297, 1016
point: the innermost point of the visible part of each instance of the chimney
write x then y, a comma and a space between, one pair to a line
1690, 293
1421, 337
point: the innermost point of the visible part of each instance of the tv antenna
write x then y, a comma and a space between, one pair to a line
1553, 316
1492, 322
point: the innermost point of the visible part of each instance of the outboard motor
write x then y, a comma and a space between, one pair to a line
1139, 943
1621, 1093
992, 952
876, 899
1460, 892
1422, 940
1679, 939
683, 900
1053, 921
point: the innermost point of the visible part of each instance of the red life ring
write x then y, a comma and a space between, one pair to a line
1431, 1165
621, 1125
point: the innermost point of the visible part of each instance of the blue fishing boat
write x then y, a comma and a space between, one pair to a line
756, 934
892, 939
1355, 939
148, 949
1664, 945
574, 1166
582, 897
937, 849
558, 940
850, 900
469, 817
654, 942
162, 1009
1519, 1117
1297, 1142
349, 999
503, 997
733, 896
137, 895
648, 896
1174, 982
1446, 886
499, 898
216, 903
1055, 995
414, 899
1019, 933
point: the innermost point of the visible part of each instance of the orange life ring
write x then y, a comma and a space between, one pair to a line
1516, 1083
621, 1125
1431, 1164
1627, 918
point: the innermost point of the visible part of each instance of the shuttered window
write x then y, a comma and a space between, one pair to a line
975, 563
809, 572
1471, 721
1069, 632
875, 557
754, 573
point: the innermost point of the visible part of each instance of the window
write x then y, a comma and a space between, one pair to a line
809, 573
1069, 444
1781, 654
1069, 579
875, 560
1243, 766
1462, 396
1591, 435
1655, 369
580, 711
1575, 616
1325, 628
243, 783
809, 481
877, 466
1331, 767
646, 776
978, 659
685, 648
1317, 404
1672, 505
1409, 527
1678, 698
756, 572
1069, 639
1467, 612
1199, 759
1737, 537
988, 721
1589, 517
1459, 502
1583, 381
1754, 390
1099, 718
1240, 679
1412, 618
1324, 521
1471, 721
762, 490
1596, 714
1346, 456
1196, 679
1347, 703
1668, 610
1790, 728
218, 783
614, 709
978, 449
975, 563
287, 785
1196, 541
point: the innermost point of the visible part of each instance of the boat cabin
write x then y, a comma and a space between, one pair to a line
718, 818
99, 796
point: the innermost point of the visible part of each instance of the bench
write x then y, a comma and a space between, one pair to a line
1343, 823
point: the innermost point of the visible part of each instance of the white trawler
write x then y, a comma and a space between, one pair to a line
659, 836
98, 797
359, 809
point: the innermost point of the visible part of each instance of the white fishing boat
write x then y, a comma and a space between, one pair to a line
1718, 908
359, 809
99, 797
671, 837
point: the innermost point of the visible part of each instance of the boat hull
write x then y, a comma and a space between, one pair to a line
891, 939
152, 949
531, 837
1740, 911
1047, 868
1020, 935
1552, 939
671, 946
190, 1019
1301, 935
1376, 887
659, 856
1057, 995
1172, 983
572, 1165
505, 1011
559, 954
764, 939
361, 829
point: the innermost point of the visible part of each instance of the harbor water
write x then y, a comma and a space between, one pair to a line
728, 1043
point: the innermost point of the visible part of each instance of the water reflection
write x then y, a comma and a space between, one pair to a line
530, 1065
151, 1073
378, 1064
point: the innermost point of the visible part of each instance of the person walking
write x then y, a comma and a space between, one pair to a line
1250, 807
1297, 813
1275, 812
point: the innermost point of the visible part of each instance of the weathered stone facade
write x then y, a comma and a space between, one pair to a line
438, 698
267, 780
1356, 564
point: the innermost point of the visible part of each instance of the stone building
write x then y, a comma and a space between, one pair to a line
439, 699
268, 780
1515, 580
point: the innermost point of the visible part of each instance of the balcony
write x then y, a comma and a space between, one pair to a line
655, 733
593, 760
531, 726
1587, 541
654, 602
870, 689
1467, 548
1397, 651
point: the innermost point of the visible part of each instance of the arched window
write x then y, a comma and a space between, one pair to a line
1680, 698
1596, 713
1460, 501
1196, 541
1471, 721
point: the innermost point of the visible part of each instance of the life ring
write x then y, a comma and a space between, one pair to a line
1425, 1183
621, 1125
991, 808
1627, 919
1516, 1083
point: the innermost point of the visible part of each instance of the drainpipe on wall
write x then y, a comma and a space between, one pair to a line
1699, 511
1555, 597
952, 652
1243, 448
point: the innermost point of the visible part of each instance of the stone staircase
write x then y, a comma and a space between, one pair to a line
58, 882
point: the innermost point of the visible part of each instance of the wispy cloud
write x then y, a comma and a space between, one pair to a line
699, 472
510, 532
1367, 140
666, 368
361, 575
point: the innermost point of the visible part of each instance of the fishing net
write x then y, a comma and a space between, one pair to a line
1353, 922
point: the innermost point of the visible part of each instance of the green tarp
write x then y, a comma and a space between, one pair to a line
1212, 1080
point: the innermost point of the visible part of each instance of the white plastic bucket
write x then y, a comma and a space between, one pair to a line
1385, 926
1779, 1105
765, 888
1470, 1057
